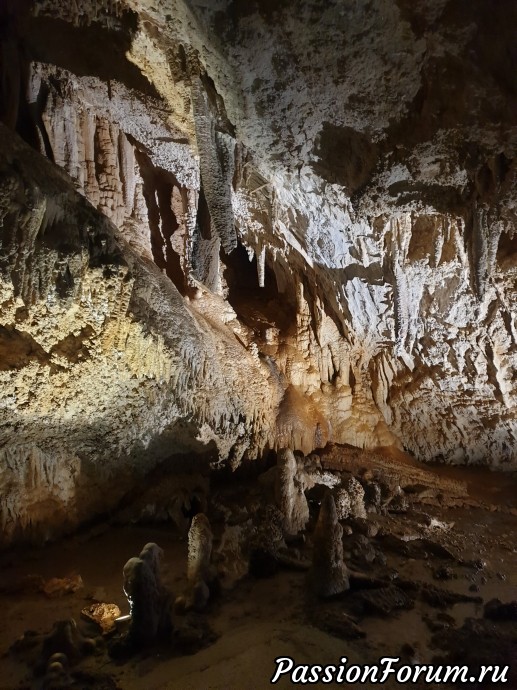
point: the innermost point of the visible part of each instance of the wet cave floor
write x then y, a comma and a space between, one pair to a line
430, 553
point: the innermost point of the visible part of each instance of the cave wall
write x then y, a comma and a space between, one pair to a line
221, 235
106, 368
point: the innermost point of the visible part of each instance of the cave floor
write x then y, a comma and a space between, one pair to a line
257, 620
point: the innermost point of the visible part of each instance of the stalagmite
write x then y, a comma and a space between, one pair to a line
328, 575
290, 492
255, 258
152, 554
201, 574
145, 603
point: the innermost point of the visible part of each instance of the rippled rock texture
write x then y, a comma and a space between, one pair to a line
275, 225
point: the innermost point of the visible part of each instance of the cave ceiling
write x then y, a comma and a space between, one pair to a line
231, 227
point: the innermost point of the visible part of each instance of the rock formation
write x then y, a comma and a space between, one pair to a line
229, 228
343, 503
356, 495
145, 603
65, 645
290, 496
200, 541
201, 574
152, 554
328, 575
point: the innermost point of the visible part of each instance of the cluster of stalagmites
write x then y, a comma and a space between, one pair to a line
270, 540
284, 523
154, 614
297, 516
151, 604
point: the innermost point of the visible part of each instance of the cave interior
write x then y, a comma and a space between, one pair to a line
258, 344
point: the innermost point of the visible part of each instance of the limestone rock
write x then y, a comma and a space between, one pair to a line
328, 575
103, 614
343, 503
145, 603
290, 496
200, 540
315, 198
201, 574
356, 494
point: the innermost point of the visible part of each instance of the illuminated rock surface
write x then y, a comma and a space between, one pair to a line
301, 230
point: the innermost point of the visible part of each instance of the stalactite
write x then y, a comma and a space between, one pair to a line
479, 265
216, 163
261, 266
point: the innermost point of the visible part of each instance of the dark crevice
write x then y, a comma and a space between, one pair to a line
18, 349
57, 42
157, 189
259, 308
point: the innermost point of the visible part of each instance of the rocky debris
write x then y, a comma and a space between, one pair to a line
383, 601
442, 598
367, 527
363, 550
56, 679
337, 622
359, 580
67, 640
53, 587
444, 573
405, 471
59, 586
442, 621
328, 575
399, 503
290, 493
104, 615
436, 596
291, 559
480, 642
418, 548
